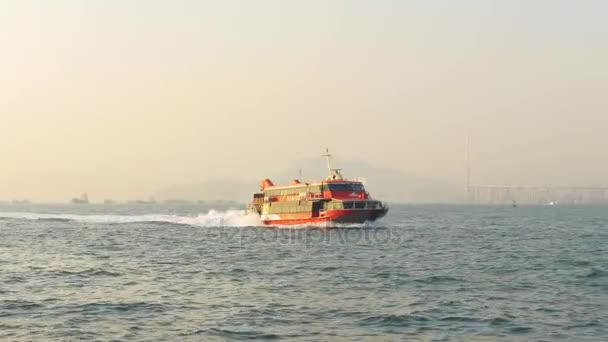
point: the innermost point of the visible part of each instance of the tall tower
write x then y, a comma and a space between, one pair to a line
467, 189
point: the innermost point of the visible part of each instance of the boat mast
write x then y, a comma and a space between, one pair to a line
333, 173
328, 156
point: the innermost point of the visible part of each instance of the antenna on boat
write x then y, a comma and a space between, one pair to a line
328, 156
334, 174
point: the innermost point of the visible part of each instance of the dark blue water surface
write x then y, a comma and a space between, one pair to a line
171, 273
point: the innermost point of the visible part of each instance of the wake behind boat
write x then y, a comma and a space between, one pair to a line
334, 199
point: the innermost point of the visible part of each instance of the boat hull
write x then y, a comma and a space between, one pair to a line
330, 216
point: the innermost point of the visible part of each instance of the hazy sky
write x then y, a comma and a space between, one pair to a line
118, 98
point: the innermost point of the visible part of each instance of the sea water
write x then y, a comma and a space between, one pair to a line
423, 273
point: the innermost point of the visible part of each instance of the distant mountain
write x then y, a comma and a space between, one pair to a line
385, 184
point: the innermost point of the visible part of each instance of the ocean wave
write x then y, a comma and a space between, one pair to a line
240, 335
459, 319
19, 304
109, 307
438, 279
497, 320
390, 320
213, 218
54, 219
91, 272
594, 273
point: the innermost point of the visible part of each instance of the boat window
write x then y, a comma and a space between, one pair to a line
360, 205
346, 187
315, 189
372, 204
348, 205
334, 205
284, 192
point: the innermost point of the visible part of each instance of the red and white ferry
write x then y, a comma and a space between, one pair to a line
331, 200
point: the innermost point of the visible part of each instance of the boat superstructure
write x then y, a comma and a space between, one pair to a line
83, 199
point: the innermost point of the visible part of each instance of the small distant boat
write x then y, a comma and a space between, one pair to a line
20, 201
83, 199
551, 203
178, 202
150, 201
109, 201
